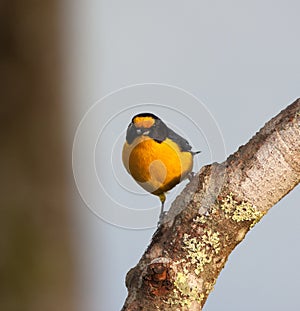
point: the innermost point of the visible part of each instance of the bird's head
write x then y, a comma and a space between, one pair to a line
145, 124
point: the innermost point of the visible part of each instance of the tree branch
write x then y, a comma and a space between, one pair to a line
212, 216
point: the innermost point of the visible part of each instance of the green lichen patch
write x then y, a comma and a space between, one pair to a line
187, 289
200, 250
200, 219
211, 239
240, 211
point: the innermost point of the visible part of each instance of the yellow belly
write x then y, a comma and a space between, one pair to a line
157, 167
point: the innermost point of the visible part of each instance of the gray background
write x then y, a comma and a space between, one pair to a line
241, 59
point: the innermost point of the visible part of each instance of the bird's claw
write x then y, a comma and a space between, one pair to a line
191, 175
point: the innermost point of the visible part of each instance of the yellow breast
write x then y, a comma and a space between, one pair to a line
157, 167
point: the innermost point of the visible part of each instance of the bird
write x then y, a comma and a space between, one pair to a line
155, 156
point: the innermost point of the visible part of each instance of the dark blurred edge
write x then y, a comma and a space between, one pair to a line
36, 268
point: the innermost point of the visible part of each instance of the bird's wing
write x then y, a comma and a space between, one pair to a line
182, 142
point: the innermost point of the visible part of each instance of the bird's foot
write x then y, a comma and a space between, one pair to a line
191, 175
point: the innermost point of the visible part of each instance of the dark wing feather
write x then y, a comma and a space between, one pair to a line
182, 142
159, 131
131, 133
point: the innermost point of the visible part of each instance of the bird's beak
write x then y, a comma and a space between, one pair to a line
142, 132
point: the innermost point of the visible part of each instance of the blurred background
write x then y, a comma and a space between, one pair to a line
72, 75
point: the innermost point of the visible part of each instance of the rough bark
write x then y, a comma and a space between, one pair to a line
212, 216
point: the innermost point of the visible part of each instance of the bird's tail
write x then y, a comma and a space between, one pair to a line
195, 152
